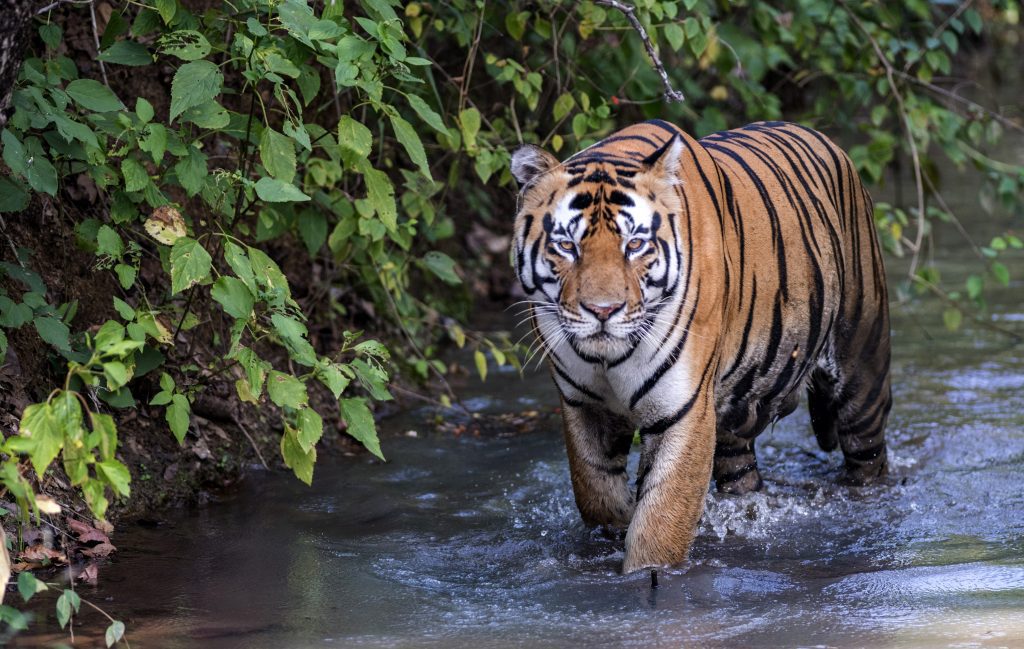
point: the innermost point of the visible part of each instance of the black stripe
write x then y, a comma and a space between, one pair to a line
672, 358
660, 426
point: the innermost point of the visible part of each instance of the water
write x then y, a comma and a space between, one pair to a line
465, 541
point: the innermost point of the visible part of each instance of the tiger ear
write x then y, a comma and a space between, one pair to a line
666, 162
529, 162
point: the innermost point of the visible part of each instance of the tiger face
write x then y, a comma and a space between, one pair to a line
596, 246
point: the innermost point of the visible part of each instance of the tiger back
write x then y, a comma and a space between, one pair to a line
693, 289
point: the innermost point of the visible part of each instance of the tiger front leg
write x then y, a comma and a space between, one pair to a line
672, 482
598, 442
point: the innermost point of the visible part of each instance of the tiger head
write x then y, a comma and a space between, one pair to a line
596, 245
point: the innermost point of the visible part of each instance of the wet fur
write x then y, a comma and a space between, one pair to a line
762, 277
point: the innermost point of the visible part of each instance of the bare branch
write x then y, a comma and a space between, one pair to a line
629, 11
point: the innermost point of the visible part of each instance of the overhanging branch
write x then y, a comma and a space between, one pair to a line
629, 11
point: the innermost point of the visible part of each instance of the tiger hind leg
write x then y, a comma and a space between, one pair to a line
849, 402
735, 468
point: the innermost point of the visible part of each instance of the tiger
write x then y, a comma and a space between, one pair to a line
690, 290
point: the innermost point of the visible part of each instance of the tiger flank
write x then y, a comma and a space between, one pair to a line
691, 289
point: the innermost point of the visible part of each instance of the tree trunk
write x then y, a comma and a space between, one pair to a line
14, 34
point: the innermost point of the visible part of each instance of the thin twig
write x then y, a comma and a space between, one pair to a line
96, 39
467, 68
939, 293
10, 242
629, 11
54, 5
1008, 123
252, 441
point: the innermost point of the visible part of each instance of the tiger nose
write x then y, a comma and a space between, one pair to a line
603, 310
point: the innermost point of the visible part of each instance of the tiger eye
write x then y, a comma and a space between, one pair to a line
635, 244
566, 246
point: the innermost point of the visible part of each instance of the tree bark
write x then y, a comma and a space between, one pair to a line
14, 34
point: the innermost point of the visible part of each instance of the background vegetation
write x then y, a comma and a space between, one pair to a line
252, 185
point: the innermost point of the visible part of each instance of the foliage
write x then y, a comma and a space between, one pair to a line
366, 135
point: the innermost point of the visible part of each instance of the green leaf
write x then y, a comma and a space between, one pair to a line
515, 24
108, 242
333, 378
255, 369
354, 137
299, 460
952, 318
406, 134
126, 53
191, 171
273, 190
167, 9
116, 374
194, 83
313, 229
28, 585
277, 153
93, 490
114, 634
144, 110
93, 95
190, 264
105, 430
186, 44
427, 114
135, 176
116, 475
41, 436
381, 195
1001, 273
233, 295
360, 424
673, 33
469, 123
124, 309
39, 172
293, 333
239, 262
310, 428
13, 197
177, 416
975, 283
68, 602
285, 390
126, 275
373, 378
268, 274
54, 332
563, 105
441, 265
481, 364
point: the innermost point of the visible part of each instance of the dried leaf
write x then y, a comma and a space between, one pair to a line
100, 550
89, 574
40, 552
166, 224
87, 533
47, 505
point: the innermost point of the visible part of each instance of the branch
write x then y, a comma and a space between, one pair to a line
629, 11
918, 176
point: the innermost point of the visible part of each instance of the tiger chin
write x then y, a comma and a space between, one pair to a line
693, 289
